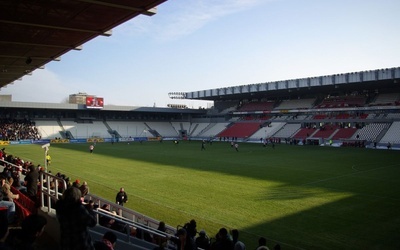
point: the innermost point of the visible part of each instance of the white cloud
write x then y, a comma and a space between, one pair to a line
41, 86
182, 18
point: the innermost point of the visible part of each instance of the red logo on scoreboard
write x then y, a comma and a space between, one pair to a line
94, 102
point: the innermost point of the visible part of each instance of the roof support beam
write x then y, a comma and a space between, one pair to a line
105, 33
42, 45
143, 11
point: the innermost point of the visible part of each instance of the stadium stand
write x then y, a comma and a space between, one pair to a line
370, 132
343, 101
288, 130
128, 128
385, 99
296, 104
165, 129
257, 106
48, 129
267, 131
305, 133
196, 128
392, 135
325, 132
344, 133
213, 129
240, 130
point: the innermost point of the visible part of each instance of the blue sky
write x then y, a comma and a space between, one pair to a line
192, 45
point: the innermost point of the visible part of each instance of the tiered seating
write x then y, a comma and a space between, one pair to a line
48, 129
393, 115
213, 129
241, 130
326, 131
344, 133
386, 99
257, 106
370, 131
363, 116
393, 134
86, 130
288, 130
196, 128
341, 102
165, 129
267, 132
320, 117
304, 133
343, 116
296, 104
24, 205
126, 129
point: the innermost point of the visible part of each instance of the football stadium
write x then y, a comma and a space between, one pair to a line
307, 163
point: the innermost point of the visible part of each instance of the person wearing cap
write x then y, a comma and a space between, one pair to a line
76, 183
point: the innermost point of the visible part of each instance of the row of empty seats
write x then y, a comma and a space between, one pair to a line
251, 130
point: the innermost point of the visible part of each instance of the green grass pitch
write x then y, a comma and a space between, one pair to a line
304, 197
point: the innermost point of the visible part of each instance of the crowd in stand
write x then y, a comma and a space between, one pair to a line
13, 130
188, 238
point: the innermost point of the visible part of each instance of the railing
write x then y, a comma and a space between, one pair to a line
49, 193
129, 214
128, 224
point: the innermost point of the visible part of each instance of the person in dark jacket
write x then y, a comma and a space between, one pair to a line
31, 182
121, 197
74, 219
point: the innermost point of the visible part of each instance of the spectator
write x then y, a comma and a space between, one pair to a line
121, 197
203, 241
107, 243
6, 189
76, 183
17, 180
223, 241
84, 189
184, 242
6, 203
158, 239
262, 244
74, 221
191, 228
32, 227
31, 182
104, 220
238, 245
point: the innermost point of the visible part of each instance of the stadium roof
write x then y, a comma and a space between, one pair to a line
34, 33
370, 80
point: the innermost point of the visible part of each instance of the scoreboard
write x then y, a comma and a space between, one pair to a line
94, 102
